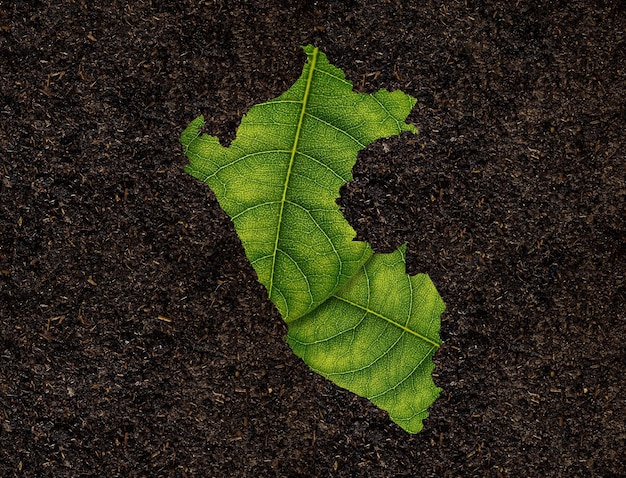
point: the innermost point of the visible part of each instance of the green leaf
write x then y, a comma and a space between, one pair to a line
279, 181
376, 337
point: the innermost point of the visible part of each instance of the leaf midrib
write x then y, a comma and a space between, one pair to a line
294, 150
389, 320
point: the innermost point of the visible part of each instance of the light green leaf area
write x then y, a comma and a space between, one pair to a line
279, 181
376, 337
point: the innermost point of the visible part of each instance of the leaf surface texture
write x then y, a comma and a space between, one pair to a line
355, 317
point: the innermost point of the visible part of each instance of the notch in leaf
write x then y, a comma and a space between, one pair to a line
355, 317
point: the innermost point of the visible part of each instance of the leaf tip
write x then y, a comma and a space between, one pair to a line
191, 132
309, 49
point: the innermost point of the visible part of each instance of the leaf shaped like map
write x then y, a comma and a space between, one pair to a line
279, 181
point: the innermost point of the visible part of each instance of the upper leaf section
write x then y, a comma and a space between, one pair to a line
280, 178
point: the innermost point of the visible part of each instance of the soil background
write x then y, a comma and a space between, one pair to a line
134, 337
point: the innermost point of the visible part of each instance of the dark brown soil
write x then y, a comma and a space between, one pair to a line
134, 338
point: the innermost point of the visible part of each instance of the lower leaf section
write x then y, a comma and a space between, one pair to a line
376, 337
